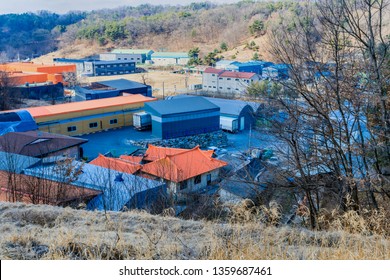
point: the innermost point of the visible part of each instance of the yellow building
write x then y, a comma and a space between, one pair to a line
85, 117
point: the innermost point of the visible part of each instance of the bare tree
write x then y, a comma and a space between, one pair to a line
329, 128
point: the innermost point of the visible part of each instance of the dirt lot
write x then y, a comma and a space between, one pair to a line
161, 81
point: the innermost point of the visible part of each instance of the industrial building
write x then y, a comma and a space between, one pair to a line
91, 116
170, 58
133, 57
276, 72
28, 72
183, 117
227, 81
250, 66
108, 68
235, 114
145, 54
113, 88
78, 62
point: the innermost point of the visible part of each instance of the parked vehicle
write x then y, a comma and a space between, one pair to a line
142, 121
229, 124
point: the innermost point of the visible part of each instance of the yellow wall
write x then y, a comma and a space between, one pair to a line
89, 112
103, 123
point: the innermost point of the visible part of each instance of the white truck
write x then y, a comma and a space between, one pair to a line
228, 123
142, 121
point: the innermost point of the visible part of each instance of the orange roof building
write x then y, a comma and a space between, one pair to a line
29, 72
78, 118
154, 152
118, 164
187, 170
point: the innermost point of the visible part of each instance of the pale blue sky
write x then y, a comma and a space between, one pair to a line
63, 6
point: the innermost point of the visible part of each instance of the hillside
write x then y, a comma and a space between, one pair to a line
45, 232
157, 27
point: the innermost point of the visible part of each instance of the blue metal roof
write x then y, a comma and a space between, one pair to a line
18, 121
16, 163
180, 105
115, 193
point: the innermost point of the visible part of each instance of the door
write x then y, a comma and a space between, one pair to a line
242, 123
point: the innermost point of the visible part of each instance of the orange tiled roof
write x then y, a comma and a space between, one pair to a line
116, 164
46, 111
133, 159
182, 166
154, 153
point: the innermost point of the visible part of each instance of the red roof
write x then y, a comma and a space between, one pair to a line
117, 164
184, 165
237, 75
154, 153
212, 70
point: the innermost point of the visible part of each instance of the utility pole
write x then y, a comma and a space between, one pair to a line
163, 91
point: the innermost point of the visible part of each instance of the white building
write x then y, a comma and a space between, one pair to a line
219, 80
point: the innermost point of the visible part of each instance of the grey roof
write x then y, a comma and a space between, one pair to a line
121, 84
227, 106
117, 188
15, 163
242, 188
180, 105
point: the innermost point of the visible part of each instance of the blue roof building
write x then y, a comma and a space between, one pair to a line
18, 121
183, 117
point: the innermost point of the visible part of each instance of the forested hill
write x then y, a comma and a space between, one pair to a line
31, 34
175, 28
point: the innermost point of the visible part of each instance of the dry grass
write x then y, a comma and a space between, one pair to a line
45, 232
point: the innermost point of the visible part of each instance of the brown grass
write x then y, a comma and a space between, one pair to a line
45, 232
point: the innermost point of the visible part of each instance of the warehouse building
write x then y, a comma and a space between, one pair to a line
183, 117
78, 62
113, 88
133, 57
91, 116
236, 115
145, 54
170, 58
108, 68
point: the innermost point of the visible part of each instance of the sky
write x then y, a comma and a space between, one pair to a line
63, 6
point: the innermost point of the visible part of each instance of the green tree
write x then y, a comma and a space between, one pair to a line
224, 46
255, 56
257, 28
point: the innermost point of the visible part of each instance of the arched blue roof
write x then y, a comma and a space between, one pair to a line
16, 121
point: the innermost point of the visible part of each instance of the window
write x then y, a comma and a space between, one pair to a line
72, 128
125, 58
93, 125
119, 58
220, 87
108, 66
228, 79
228, 88
220, 78
213, 75
183, 185
198, 179
214, 87
237, 80
132, 58
114, 121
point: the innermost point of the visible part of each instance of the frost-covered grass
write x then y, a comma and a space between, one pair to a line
45, 232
